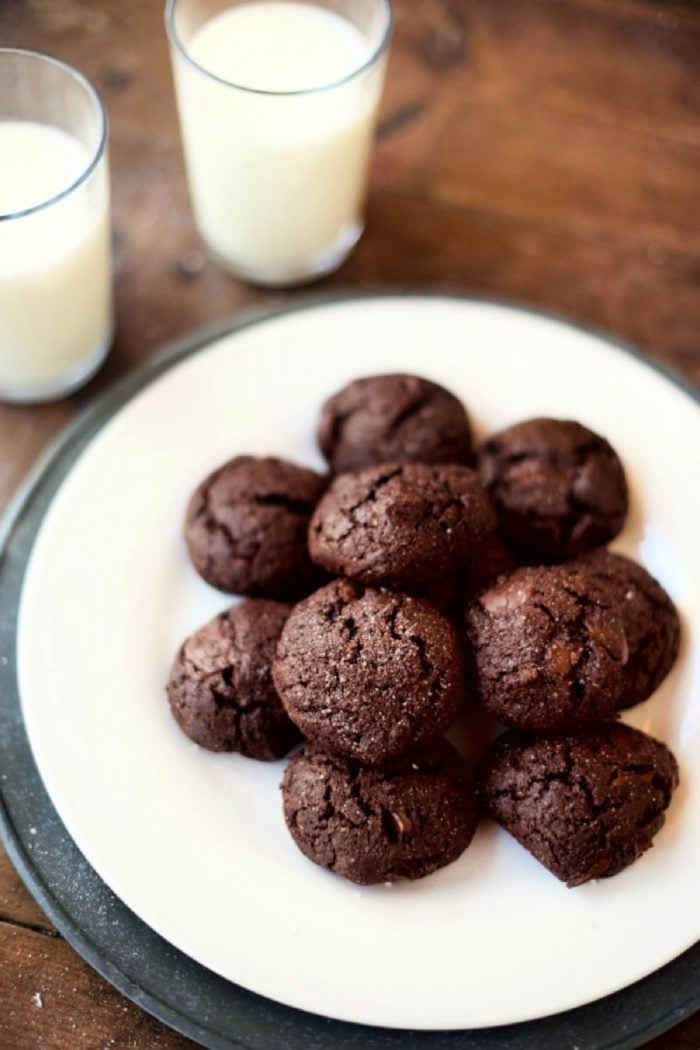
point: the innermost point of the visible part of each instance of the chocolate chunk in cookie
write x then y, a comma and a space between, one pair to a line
587, 804
220, 688
546, 650
369, 674
371, 825
400, 524
558, 488
246, 528
650, 619
393, 419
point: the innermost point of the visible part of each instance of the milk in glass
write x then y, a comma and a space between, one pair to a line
55, 271
277, 133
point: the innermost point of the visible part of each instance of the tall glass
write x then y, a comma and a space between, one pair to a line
277, 161
55, 257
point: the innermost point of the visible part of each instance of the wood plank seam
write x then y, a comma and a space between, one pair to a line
45, 931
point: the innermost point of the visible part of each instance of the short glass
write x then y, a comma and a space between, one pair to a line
56, 315
277, 175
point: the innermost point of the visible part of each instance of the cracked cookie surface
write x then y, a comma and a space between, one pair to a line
546, 650
587, 804
652, 625
372, 825
220, 688
558, 488
393, 418
400, 524
369, 674
246, 527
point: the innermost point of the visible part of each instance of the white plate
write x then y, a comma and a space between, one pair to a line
193, 842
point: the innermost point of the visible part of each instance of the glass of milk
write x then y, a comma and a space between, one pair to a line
278, 101
55, 253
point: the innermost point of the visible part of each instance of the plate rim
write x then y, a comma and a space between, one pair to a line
24, 517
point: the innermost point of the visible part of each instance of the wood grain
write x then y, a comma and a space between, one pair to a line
53, 1000
544, 152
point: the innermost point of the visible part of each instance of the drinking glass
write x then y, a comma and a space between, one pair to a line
56, 317
277, 164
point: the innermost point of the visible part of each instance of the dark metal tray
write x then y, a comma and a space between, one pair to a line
166, 983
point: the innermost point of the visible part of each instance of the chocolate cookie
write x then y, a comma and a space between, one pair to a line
400, 524
220, 688
558, 488
371, 825
369, 674
246, 528
650, 619
586, 805
546, 650
393, 419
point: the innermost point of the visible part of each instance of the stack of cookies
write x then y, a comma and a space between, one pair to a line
423, 570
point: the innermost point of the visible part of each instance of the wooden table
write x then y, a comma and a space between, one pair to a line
544, 152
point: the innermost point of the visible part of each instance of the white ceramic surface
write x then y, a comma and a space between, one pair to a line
194, 842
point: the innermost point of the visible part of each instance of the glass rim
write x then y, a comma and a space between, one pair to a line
179, 46
100, 109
